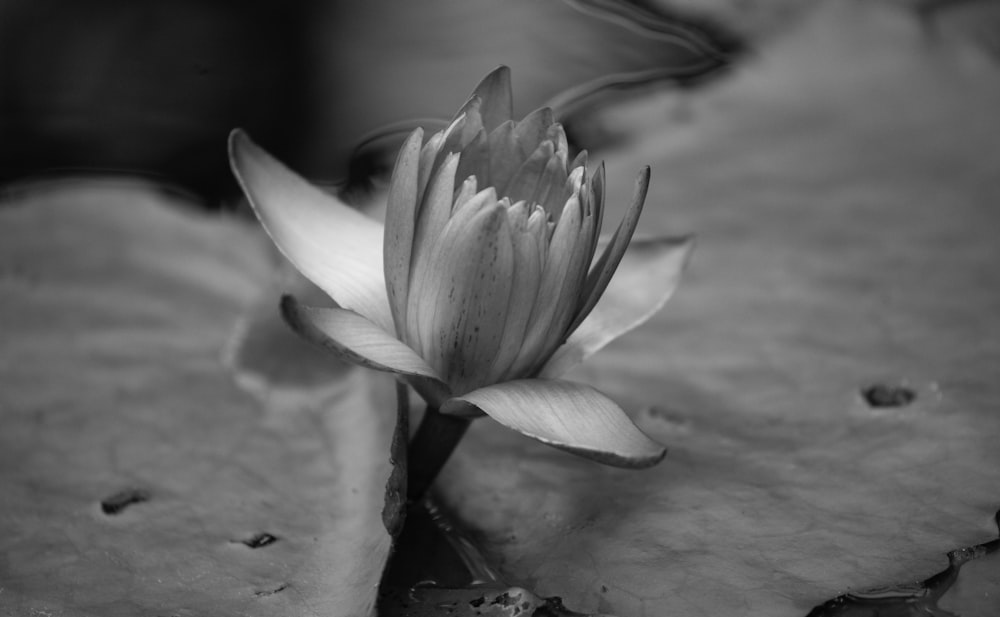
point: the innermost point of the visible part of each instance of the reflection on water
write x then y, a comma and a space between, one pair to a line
436, 569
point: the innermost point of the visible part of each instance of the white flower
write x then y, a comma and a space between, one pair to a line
481, 288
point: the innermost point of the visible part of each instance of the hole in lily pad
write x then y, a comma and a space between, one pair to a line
116, 503
882, 396
506, 599
270, 592
259, 540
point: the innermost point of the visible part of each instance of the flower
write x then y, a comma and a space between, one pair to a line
481, 288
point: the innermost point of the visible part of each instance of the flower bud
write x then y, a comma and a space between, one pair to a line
504, 232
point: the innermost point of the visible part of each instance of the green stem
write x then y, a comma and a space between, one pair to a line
430, 448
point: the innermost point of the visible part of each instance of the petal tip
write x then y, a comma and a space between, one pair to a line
644, 455
499, 75
291, 313
237, 145
234, 135
497, 97
645, 460
642, 179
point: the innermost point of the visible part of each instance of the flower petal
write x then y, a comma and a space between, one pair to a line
434, 211
497, 97
595, 200
434, 215
600, 275
468, 298
459, 134
467, 191
568, 239
360, 341
376, 151
525, 279
428, 154
475, 160
464, 129
562, 277
523, 185
336, 247
646, 278
558, 136
532, 131
552, 191
400, 224
567, 415
426, 279
503, 162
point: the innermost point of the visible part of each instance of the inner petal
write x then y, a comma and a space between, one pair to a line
471, 292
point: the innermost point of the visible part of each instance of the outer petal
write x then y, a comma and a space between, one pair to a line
497, 97
376, 150
607, 263
595, 200
567, 415
645, 280
428, 154
568, 287
359, 341
400, 224
434, 212
334, 246
460, 133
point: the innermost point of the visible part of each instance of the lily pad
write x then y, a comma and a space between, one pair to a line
140, 474
843, 188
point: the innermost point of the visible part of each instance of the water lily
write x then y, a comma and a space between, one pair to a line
484, 284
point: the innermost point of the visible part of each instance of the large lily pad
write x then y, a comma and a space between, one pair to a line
844, 190
139, 475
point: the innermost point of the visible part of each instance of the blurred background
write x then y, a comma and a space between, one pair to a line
152, 87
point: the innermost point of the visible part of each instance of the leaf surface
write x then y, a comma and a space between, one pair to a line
843, 191
141, 474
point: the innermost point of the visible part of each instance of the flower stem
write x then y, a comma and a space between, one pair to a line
430, 448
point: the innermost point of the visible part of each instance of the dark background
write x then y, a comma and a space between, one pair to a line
152, 87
